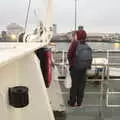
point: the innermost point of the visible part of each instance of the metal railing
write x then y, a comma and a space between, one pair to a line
113, 59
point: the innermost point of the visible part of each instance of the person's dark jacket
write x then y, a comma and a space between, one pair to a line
81, 36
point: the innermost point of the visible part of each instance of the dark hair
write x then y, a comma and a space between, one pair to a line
21, 37
80, 27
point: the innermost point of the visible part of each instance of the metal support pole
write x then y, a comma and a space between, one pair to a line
75, 15
27, 16
63, 62
100, 113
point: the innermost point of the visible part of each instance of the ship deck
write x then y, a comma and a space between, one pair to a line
92, 108
101, 100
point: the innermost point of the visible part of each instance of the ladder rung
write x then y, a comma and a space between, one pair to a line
89, 80
84, 106
113, 80
86, 93
111, 106
113, 93
94, 93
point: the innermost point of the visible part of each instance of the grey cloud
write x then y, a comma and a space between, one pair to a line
95, 15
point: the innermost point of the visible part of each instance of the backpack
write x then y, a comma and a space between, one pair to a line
83, 57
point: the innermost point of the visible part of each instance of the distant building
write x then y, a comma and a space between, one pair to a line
60, 38
14, 29
54, 28
4, 37
68, 37
95, 36
90, 36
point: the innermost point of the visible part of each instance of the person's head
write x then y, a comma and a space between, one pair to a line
21, 36
81, 36
80, 27
4, 33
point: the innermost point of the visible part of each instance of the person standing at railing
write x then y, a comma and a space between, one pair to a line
77, 75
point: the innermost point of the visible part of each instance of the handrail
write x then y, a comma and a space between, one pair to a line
95, 51
103, 84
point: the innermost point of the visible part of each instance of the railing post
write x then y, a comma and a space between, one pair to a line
105, 78
63, 62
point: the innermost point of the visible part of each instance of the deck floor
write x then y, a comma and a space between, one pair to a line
88, 111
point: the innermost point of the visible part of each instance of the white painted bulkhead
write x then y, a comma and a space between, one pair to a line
24, 70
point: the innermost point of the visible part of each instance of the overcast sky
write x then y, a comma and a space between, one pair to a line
95, 15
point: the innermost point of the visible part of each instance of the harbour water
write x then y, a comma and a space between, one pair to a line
94, 45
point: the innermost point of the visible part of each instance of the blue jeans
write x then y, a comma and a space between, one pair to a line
78, 85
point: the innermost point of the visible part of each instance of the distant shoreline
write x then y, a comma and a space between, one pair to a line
106, 41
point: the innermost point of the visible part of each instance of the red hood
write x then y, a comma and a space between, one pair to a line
81, 36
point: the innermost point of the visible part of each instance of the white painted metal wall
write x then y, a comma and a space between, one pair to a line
18, 69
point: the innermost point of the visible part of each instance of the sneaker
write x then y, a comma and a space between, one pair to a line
78, 104
70, 104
